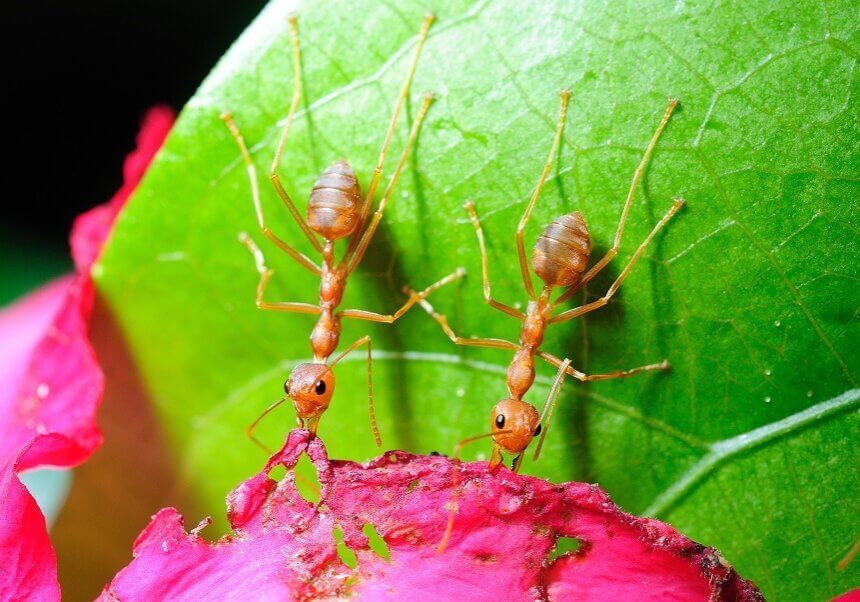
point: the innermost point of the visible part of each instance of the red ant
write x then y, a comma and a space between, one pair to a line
559, 258
335, 211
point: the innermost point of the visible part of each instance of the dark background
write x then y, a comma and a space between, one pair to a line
78, 77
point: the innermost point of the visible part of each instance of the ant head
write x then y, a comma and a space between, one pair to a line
310, 386
520, 421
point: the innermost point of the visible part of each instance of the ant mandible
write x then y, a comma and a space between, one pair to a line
335, 211
559, 258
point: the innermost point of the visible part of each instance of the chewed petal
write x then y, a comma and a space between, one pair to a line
503, 544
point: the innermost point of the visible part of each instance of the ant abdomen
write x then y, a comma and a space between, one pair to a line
333, 209
560, 254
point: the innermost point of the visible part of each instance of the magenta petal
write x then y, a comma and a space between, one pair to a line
52, 388
282, 546
52, 385
29, 565
52, 382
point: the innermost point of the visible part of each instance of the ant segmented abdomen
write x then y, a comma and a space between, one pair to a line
560, 254
335, 202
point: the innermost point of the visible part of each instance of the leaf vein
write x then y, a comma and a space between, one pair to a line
728, 448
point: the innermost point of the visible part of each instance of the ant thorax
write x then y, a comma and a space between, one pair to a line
535, 321
332, 286
325, 335
521, 372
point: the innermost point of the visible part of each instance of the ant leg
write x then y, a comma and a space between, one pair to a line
518, 461
496, 458
619, 232
584, 309
294, 104
521, 228
255, 195
443, 322
582, 376
398, 105
362, 341
485, 272
249, 432
414, 298
265, 275
353, 260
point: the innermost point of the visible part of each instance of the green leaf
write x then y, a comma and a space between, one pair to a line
747, 444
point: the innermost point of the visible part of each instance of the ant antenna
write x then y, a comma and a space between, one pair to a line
549, 406
455, 473
365, 340
249, 432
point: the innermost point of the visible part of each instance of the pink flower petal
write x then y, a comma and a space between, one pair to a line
51, 380
28, 570
52, 385
282, 547
91, 229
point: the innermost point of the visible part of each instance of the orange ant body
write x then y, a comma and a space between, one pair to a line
335, 211
559, 259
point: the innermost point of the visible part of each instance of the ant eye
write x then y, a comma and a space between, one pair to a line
287, 387
320, 387
500, 421
538, 429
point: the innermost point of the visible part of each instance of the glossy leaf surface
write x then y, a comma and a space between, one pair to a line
747, 444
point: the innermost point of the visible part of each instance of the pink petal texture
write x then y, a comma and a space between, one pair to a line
281, 546
28, 570
51, 388
52, 385
51, 380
